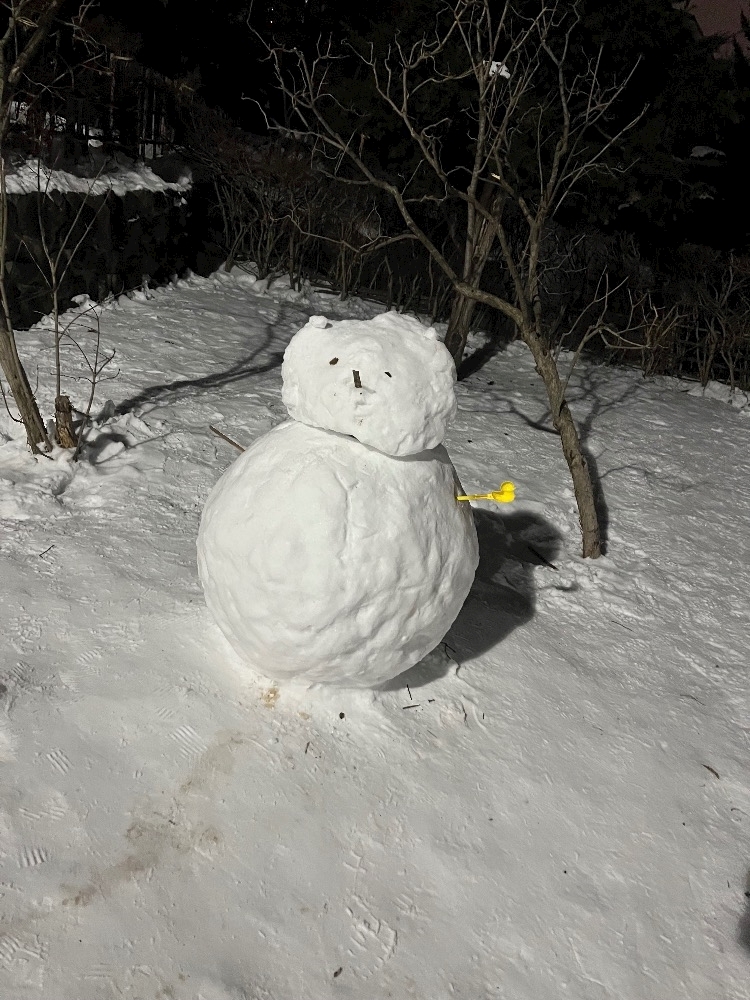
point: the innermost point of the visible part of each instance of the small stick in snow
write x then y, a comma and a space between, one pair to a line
414, 705
409, 690
357, 381
713, 771
218, 433
539, 555
692, 698
40, 554
615, 622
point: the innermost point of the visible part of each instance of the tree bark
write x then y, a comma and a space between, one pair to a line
583, 486
479, 247
13, 370
562, 418
66, 435
459, 323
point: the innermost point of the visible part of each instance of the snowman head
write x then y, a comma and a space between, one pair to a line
387, 381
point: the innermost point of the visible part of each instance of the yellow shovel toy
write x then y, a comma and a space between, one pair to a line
506, 494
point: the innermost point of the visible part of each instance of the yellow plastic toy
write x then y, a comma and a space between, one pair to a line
506, 494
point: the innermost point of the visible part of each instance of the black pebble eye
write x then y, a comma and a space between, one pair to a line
333, 361
389, 375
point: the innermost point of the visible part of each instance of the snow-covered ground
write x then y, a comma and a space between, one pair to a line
555, 804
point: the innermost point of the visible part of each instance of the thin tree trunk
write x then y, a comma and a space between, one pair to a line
16, 377
564, 424
583, 486
10, 362
66, 435
477, 256
462, 309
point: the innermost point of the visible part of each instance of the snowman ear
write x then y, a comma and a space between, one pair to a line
318, 322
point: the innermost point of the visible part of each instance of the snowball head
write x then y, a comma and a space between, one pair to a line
326, 561
387, 381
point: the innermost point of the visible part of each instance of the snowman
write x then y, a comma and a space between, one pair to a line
334, 550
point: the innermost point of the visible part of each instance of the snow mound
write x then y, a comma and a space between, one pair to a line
723, 393
325, 561
388, 381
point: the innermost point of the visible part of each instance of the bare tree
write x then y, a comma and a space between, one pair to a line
537, 126
717, 313
95, 359
27, 78
29, 22
53, 256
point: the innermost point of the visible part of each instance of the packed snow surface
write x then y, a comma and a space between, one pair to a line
387, 382
554, 804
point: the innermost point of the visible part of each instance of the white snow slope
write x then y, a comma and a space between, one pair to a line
555, 806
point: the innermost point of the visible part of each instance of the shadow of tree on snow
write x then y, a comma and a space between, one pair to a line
244, 368
476, 361
502, 596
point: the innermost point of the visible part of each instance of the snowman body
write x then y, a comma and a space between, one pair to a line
327, 559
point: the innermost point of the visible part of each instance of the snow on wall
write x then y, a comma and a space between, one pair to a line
142, 230
28, 179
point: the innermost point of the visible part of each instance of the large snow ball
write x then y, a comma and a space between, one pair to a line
387, 381
327, 561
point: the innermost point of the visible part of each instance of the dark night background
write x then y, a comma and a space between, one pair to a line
694, 98
671, 225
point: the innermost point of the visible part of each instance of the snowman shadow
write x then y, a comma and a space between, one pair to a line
512, 549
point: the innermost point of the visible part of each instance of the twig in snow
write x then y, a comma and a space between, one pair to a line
40, 554
712, 770
219, 433
539, 555
414, 704
692, 698
615, 622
